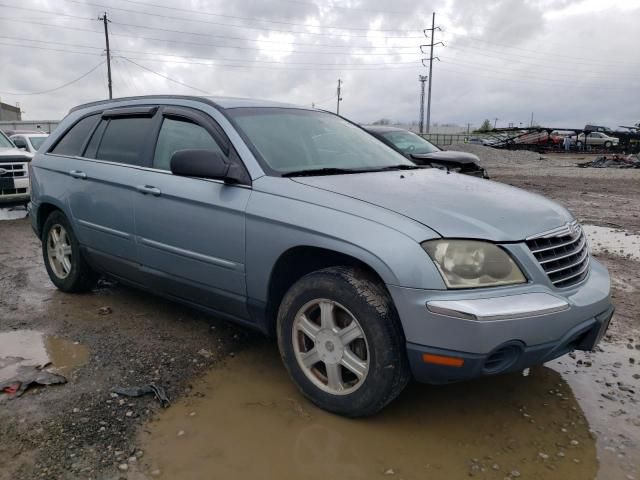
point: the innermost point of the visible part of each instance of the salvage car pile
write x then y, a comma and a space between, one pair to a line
613, 161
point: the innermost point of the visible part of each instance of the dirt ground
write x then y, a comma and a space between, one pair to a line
235, 414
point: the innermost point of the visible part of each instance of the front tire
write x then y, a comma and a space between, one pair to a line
608, 144
341, 341
67, 268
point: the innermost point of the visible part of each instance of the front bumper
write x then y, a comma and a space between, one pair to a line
502, 329
17, 191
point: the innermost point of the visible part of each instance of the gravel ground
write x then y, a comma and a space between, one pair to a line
80, 430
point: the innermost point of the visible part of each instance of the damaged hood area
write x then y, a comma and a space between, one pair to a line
447, 156
453, 205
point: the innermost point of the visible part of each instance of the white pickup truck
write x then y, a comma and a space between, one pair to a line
14, 173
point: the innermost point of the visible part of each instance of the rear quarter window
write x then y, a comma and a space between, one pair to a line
73, 140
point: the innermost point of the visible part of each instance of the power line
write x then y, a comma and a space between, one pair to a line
465, 69
36, 47
236, 17
348, 8
166, 77
488, 68
209, 22
56, 88
365, 67
228, 37
545, 54
235, 47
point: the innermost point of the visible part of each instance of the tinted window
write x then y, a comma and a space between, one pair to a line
5, 142
72, 142
180, 135
124, 140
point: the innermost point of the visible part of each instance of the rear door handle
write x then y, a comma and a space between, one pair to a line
144, 189
78, 174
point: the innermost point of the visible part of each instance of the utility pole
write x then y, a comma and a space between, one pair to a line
431, 58
105, 20
422, 79
339, 98
531, 124
495, 120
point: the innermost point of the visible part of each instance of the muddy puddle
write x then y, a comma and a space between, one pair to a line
31, 348
611, 240
247, 420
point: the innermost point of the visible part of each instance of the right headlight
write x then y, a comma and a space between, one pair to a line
473, 264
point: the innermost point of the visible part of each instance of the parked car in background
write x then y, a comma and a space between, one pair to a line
367, 268
595, 139
14, 173
29, 142
422, 152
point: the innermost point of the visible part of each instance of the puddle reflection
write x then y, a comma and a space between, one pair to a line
32, 348
249, 421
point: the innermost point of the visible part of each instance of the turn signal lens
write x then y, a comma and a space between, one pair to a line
442, 360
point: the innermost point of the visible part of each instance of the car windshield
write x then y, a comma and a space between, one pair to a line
409, 142
5, 142
37, 141
294, 140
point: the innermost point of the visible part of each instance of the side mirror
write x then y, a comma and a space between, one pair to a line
204, 164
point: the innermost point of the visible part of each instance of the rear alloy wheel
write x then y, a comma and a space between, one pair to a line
59, 251
341, 341
67, 268
608, 144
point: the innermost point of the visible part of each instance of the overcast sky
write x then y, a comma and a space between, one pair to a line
568, 61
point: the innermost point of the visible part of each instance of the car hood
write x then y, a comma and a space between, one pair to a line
14, 153
453, 205
448, 156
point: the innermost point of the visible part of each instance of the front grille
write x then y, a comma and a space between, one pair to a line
12, 191
563, 254
13, 170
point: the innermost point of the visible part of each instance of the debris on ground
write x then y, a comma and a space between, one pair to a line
27, 376
613, 161
157, 391
105, 311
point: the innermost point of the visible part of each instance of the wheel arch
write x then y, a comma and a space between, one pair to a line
45, 208
298, 261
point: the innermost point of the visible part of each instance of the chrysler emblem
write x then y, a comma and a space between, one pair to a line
574, 229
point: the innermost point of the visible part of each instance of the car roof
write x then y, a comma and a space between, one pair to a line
221, 103
383, 129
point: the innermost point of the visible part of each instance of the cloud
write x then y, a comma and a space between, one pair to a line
504, 58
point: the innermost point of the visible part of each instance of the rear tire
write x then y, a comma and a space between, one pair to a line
341, 341
608, 144
67, 268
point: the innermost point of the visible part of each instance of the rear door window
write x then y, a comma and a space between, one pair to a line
125, 139
180, 135
72, 142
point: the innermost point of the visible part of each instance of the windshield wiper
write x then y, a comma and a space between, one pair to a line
397, 167
321, 171
343, 171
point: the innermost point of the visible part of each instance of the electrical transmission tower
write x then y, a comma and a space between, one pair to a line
431, 59
422, 79
106, 21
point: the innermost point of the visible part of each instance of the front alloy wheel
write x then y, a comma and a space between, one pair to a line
341, 340
330, 346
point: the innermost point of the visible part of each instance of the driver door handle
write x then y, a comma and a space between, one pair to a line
145, 189
78, 174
